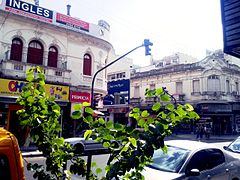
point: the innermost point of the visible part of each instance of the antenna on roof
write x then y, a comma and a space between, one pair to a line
36, 2
68, 9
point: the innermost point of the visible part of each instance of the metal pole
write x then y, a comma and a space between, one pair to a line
89, 163
94, 77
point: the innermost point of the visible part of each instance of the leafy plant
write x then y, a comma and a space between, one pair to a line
130, 149
40, 113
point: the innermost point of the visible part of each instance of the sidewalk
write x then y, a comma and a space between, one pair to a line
213, 138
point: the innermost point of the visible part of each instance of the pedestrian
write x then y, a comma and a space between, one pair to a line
198, 132
201, 129
208, 131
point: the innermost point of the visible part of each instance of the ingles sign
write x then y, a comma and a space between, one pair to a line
29, 10
13, 88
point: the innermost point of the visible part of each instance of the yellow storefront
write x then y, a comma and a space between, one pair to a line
10, 90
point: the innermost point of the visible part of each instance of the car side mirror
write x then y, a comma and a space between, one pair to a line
225, 147
193, 172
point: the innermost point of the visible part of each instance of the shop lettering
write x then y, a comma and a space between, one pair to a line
116, 85
80, 97
30, 8
15, 86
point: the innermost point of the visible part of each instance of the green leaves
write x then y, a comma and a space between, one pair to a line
130, 148
156, 106
87, 134
40, 114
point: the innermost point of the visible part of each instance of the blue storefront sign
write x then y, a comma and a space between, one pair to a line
120, 88
29, 10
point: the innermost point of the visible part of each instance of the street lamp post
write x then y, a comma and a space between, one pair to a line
146, 43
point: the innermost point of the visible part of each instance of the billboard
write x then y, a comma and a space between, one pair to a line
230, 10
13, 88
71, 23
29, 10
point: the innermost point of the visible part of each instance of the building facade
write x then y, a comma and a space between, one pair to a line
116, 101
68, 49
210, 85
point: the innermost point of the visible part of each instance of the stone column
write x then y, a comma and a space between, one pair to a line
45, 58
24, 54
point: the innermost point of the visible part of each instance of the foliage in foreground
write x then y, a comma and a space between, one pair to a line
131, 149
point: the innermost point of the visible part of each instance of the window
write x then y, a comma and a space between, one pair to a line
16, 49
4, 167
196, 85
121, 75
179, 88
205, 159
228, 86
171, 161
213, 83
35, 53
87, 65
111, 76
52, 56
136, 92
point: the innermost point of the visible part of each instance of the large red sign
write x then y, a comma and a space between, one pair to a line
79, 97
71, 22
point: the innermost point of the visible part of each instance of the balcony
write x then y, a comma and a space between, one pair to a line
13, 69
135, 101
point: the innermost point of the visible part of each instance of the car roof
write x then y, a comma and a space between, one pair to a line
189, 144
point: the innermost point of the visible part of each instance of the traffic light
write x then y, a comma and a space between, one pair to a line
147, 43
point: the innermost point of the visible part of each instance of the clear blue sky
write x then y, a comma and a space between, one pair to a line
188, 26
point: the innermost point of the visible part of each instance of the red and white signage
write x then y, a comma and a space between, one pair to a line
72, 23
80, 97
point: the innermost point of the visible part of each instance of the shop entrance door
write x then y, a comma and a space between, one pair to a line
14, 124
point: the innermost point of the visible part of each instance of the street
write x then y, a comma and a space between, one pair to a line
101, 161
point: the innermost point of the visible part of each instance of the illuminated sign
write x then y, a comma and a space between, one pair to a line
79, 97
72, 23
13, 88
29, 10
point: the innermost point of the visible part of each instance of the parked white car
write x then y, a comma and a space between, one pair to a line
234, 147
192, 160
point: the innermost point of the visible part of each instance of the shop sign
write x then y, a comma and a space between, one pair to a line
13, 88
79, 97
118, 86
71, 23
29, 10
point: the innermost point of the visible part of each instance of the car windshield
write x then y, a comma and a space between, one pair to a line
235, 146
171, 161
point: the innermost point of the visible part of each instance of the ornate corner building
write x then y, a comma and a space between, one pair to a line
68, 49
210, 85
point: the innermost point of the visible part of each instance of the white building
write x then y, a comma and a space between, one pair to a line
211, 85
69, 50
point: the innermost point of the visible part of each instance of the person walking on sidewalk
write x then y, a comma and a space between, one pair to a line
200, 132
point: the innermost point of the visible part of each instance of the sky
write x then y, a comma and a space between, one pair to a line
186, 26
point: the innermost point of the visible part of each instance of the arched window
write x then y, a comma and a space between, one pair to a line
16, 49
35, 53
213, 83
87, 65
52, 56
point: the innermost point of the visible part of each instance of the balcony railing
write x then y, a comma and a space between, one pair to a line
14, 69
